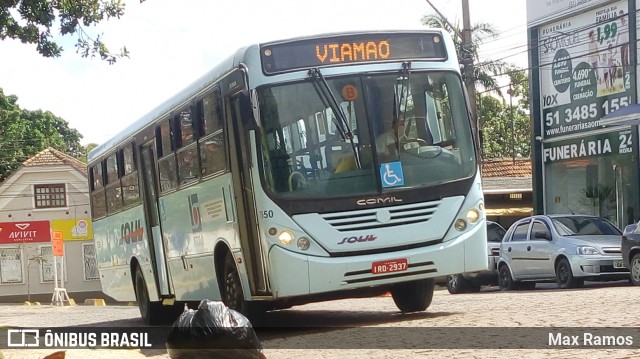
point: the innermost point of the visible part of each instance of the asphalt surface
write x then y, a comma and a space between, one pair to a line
464, 325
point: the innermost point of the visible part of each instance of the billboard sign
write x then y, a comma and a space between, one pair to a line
25, 232
584, 69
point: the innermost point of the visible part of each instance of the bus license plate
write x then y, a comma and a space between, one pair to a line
393, 265
618, 264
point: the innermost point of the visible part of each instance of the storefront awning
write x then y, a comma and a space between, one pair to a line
516, 211
625, 116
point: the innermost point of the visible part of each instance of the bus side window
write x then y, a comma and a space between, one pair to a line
167, 159
130, 189
187, 153
113, 186
98, 201
212, 147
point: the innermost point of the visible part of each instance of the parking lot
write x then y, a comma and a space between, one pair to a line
353, 323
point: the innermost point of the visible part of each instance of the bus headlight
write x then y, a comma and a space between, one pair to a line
303, 243
473, 215
460, 224
285, 237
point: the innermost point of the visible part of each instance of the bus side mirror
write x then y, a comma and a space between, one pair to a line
249, 110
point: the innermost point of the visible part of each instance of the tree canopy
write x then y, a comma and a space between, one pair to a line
23, 133
39, 21
506, 128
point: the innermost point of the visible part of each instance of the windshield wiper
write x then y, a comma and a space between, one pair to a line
402, 96
329, 100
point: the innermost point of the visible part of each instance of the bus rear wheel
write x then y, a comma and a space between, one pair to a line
149, 311
413, 296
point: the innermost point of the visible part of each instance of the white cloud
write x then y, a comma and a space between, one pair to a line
172, 43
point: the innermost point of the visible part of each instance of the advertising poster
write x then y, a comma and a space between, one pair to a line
540, 11
25, 232
584, 69
73, 229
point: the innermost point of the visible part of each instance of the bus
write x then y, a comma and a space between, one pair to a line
309, 169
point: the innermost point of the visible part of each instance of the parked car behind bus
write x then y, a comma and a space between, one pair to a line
566, 248
631, 251
471, 282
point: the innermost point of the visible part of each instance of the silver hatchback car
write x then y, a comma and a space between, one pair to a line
566, 248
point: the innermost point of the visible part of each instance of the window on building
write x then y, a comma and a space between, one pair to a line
90, 262
50, 195
47, 265
10, 266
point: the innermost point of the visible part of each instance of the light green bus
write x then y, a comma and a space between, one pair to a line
309, 169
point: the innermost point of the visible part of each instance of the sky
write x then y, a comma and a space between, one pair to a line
173, 43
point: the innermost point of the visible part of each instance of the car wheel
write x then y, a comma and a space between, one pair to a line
564, 275
413, 296
635, 270
456, 284
505, 281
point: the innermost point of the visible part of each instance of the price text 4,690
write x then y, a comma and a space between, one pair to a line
579, 113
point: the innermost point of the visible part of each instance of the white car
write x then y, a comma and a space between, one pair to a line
567, 249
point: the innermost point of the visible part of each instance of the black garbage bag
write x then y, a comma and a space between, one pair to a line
213, 331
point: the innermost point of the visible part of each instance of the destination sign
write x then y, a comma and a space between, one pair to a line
350, 49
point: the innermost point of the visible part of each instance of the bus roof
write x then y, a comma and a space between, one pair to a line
232, 62
170, 104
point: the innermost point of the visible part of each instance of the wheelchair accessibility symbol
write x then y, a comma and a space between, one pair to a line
391, 174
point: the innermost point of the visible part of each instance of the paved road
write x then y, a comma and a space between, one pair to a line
374, 323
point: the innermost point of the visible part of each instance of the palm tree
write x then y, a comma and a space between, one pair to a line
484, 71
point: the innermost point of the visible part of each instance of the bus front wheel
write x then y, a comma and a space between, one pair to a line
413, 296
232, 295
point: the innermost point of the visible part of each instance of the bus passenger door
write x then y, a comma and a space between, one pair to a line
240, 159
157, 249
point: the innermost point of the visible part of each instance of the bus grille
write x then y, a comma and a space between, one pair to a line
381, 217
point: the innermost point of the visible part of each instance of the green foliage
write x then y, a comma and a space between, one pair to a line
23, 133
484, 71
506, 128
32, 22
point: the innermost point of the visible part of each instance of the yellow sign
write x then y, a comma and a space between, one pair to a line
73, 229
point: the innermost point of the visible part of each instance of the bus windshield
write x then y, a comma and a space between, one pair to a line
396, 130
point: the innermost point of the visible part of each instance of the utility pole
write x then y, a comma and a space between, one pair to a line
467, 61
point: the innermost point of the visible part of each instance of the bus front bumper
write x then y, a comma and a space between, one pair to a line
295, 274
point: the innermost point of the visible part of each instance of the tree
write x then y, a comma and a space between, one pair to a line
484, 72
506, 129
33, 22
23, 133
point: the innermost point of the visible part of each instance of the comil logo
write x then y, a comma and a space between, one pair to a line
23, 338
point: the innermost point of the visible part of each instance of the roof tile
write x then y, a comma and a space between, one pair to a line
52, 157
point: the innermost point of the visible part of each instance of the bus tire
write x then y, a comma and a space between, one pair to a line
413, 296
149, 311
232, 294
